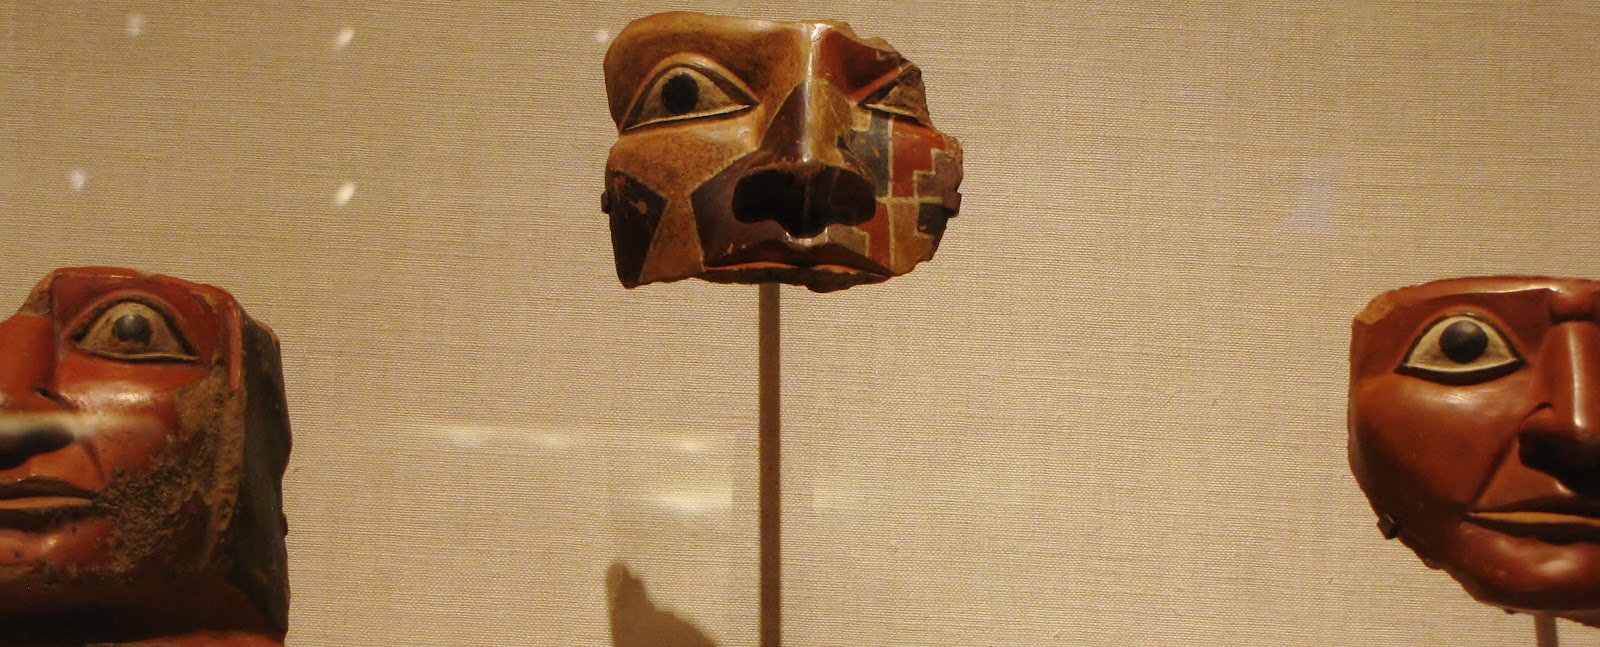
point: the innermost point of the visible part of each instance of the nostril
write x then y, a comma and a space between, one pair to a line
1577, 467
852, 196
48, 438
766, 195
804, 204
53, 397
1537, 452
1584, 483
17, 447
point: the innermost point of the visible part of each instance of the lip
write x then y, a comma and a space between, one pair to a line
42, 493
826, 257
1568, 519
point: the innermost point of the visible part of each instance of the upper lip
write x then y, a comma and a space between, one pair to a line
37, 486
802, 254
1544, 510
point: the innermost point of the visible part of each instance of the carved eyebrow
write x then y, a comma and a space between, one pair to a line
698, 62
852, 63
1568, 304
871, 87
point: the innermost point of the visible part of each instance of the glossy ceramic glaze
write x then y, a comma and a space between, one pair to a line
1475, 431
143, 436
754, 151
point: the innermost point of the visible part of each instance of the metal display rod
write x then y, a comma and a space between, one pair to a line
769, 484
1544, 631
762, 152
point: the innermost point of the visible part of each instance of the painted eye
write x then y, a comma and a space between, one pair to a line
1461, 349
134, 331
904, 96
687, 92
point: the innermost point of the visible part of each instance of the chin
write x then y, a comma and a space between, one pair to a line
1525, 573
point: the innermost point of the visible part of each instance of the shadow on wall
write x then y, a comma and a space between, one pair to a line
635, 620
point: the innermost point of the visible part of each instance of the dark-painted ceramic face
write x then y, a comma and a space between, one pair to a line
1475, 432
123, 434
754, 151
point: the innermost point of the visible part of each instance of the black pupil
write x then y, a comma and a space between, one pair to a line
680, 94
133, 329
1463, 341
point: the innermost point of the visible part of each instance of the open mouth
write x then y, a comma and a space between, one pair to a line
41, 493
827, 257
1565, 519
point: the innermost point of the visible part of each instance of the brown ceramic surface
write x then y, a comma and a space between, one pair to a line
753, 151
1475, 432
143, 438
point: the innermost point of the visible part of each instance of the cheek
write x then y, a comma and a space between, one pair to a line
926, 162
676, 159
125, 431
131, 449
1442, 441
916, 178
78, 371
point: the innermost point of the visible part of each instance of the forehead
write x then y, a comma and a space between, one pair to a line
205, 314
749, 48
65, 291
1495, 292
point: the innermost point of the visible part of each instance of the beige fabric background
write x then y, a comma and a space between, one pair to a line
1110, 412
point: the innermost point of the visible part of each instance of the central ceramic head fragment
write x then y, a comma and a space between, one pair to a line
1475, 432
754, 151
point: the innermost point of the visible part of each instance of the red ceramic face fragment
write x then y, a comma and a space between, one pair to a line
142, 436
1475, 432
753, 151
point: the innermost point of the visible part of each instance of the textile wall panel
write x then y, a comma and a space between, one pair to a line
1109, 412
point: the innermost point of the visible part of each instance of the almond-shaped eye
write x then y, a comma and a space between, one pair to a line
136, 332
683, 92
1461, 349
904, 96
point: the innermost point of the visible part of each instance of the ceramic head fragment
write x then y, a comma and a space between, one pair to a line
143, 438
753, 151
1475, 433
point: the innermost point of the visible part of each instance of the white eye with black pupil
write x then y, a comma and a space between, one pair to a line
904, 97
1463, 341
134, 331
132, 328
688, 92
680, 94
1461, 349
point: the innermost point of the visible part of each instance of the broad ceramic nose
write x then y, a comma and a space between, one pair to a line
27, 364
806, 181
22, 442
1563, 438
804, 200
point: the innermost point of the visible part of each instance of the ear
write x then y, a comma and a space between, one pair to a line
255, 537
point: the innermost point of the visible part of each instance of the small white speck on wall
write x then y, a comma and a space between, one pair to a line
343, 38
135, 24
345, 192
602, 36
78, 178
1318, 198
